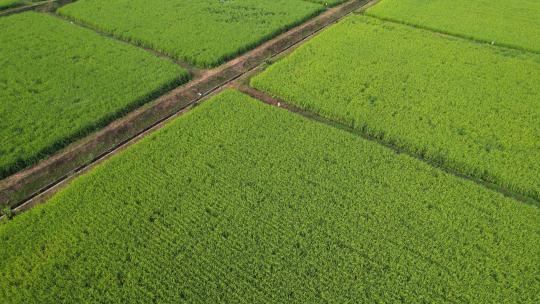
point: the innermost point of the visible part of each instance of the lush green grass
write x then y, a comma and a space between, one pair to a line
472, 107
59, 81
203, 32
239, 202
513, 23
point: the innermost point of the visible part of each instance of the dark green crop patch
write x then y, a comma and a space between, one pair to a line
513, 23
6, 211
239, 202
5, 4
470, 107
202, 32
59, 81
9, 3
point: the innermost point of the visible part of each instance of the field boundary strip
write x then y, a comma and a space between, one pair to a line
64, 181
34, 185
265, 98
50, 6
231, 27
451, 34
193, 70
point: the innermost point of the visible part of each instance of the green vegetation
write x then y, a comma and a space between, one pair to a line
327, 2
513, 23
203, 32
60, 81
240, 202
472, 107
9, 3
6, 211
5, 4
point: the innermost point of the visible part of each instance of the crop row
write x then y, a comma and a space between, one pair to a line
60, 81
509, 23
241, 202
470, 107
202, 32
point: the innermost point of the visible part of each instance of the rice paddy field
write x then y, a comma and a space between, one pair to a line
60, 81
391, 157
242, 202
514, 24
202, 32
471, 107
8, 3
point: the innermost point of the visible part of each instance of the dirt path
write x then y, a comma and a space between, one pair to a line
33, 185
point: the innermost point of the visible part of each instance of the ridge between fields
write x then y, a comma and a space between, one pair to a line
190, 68
265, 98
454, 35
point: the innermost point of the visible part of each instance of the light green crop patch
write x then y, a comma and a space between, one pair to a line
202, 32
470, 107
59, 81
239, 202
513, 23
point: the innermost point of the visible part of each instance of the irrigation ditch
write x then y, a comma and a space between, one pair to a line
31, 186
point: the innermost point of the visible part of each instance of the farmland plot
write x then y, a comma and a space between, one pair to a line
241, 202
59, 81
202, 32
471, 107
5, 4
513, 23
8, 3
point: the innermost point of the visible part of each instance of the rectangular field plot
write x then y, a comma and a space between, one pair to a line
472, 107
513, 23
202, 32
59, 81
240, 202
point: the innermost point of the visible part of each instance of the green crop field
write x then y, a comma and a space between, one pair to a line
471, 107
513, 23
59, 81
400, 163
240, 202
202, 32
327, 2
4, 4
9, 3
